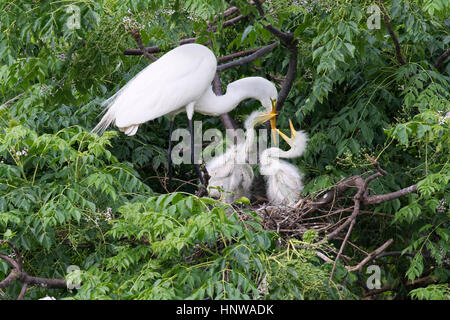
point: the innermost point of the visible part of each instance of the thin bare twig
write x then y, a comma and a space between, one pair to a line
371, 256
156, 49
255, 55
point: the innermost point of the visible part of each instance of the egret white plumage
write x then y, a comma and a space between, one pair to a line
180, 81
284, 181
231, 171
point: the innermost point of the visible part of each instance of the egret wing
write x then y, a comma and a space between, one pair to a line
179, 77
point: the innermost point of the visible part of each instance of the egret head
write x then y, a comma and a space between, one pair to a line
268, 99
297, 141
260, 89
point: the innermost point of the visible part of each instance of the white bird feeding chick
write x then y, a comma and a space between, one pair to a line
180, 81
230, 172
284, 181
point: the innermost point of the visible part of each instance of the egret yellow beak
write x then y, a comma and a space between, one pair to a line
273, 121
285, 137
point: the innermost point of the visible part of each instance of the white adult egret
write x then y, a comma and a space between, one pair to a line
284, 181
231, 171
181, 81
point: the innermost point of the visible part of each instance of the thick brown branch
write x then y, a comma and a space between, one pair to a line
397, 253
230, 22
19, 257
380, 198
27, 280
357, 182
9, 279
442, 58
137, 37
290, 77
10, 261
51, 283
387, 22
340, 188
286, 37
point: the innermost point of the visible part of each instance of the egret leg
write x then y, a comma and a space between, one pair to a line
169, 152
196, 166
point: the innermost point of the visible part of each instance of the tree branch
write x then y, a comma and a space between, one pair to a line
156, 49
359, 198
27, 280
238, 54
22, 291
352, 221
442, 58
373, 255
286, 37
288, 40
290, 77
377, 199
226, 13
387, 22
255, 55
137, 36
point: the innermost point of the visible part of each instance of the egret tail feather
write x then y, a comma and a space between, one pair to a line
105, 122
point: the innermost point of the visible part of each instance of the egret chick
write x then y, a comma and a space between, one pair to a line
284, 181
230, 170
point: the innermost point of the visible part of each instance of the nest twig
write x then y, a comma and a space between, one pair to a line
333, 214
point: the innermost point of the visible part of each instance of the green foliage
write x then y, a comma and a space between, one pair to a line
432, 292
59, 190
177, 246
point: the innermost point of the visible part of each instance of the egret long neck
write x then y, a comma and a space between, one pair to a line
211, 104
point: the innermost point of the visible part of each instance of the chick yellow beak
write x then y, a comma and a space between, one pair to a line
285, 137
264, 117
273, 120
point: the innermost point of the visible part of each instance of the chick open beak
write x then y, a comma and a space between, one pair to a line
264, 117
285, 137
269, 116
